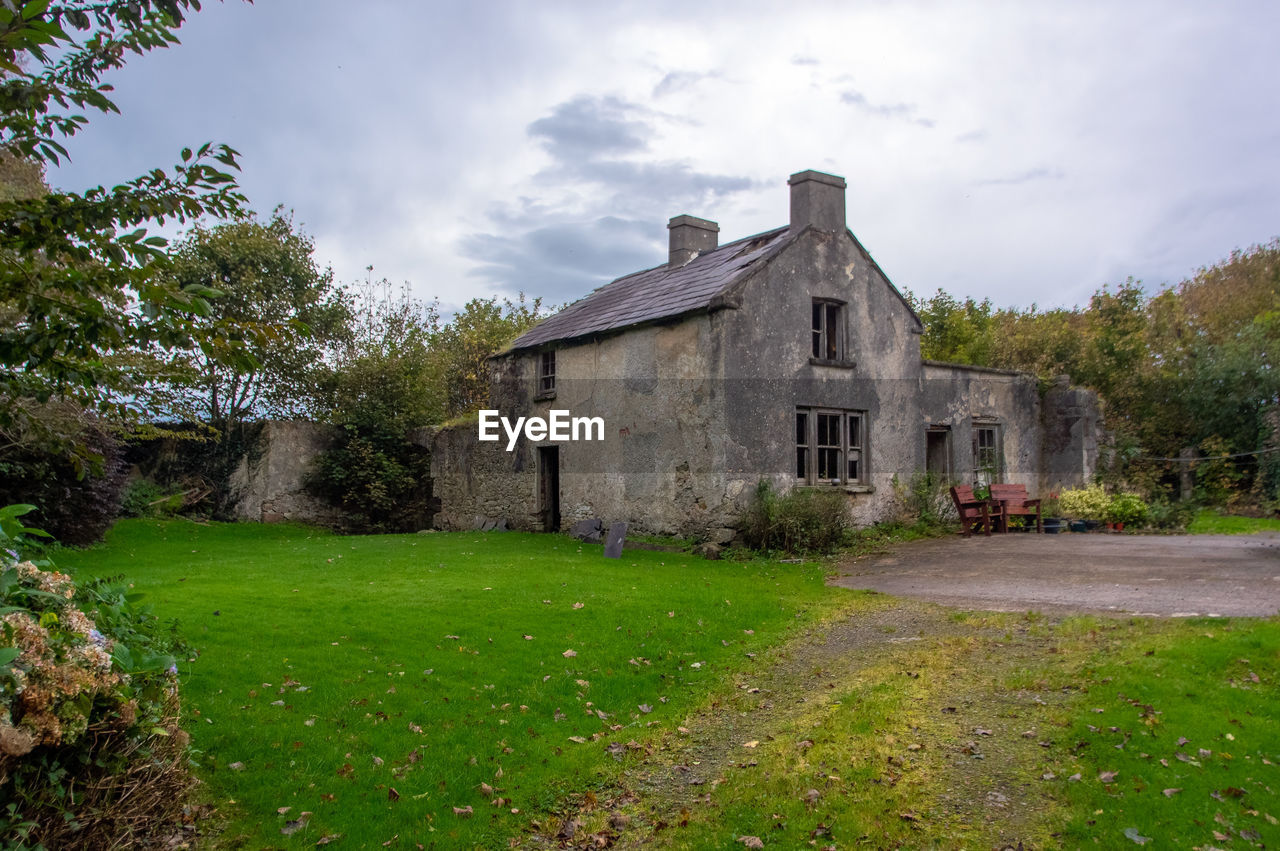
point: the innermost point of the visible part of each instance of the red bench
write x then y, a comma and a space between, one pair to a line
1013, 500
973, 511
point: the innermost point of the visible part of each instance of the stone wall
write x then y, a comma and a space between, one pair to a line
481, 484
1072, 430
269, 483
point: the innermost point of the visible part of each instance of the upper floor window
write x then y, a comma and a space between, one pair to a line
547, 372
828, 330
831, 446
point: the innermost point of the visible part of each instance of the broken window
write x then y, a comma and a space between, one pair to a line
830, 446
547, 373
828, 330
987, 454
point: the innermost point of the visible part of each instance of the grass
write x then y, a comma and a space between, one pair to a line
384, 683
810, 716
997, 730
1210, 522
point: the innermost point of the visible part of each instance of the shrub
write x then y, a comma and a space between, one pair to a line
91, 754
145, 498
924, 500
802, 521
1127, 508
76, 501
1163, 514
1090, 503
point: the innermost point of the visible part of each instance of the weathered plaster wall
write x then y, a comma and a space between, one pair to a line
1072, 426
660, 465
270, 481
961, 396
767, 352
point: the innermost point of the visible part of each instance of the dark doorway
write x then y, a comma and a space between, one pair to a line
549, 487
937, 452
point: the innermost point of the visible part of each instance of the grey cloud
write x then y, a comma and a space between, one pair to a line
804, 60
679, 80
972, 136
905, 111
588, 127
614, 223
566, 260
1040, 173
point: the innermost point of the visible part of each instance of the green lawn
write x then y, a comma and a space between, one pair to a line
383, 683
387, 684
1211, 522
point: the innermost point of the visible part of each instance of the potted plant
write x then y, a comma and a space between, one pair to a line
1088, 505
1126, 508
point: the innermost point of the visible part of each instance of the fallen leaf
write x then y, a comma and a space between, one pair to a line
569, 654
982, 731
392, 794
646, 708
577, 605
236, 766
292, 827
329, 837
1169, 793
528, 638
751, 841
1107, 776
1132, 834
751, 744
282, 810
578, 739
462, 812
1075, 778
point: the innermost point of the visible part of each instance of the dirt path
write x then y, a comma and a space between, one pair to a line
963, 731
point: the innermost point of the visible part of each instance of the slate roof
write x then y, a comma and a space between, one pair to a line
657, 293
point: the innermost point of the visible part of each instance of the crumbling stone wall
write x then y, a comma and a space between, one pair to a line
269, 484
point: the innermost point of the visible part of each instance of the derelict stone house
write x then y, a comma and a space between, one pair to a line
786, 356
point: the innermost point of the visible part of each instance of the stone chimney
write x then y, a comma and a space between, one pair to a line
817, 200
691, 236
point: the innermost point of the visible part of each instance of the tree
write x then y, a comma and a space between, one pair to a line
274, 303
78, 282
480, 330
386, 383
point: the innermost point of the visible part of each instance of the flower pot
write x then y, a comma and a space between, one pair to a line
1079, 526
1052, 525
1090, 525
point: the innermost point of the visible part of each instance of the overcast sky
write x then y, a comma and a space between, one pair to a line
1026, 152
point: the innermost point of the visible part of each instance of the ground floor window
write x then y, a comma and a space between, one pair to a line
988, 454
831, 446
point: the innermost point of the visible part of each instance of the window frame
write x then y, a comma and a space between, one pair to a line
827, 337
988, 461
819, 453
546, 374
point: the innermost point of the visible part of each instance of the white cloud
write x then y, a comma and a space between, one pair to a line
1026, 152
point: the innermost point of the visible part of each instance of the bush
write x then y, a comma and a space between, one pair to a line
1163, 514
145, 498
1090, 503
76, 501
802, 521
91, 754
925, 500
1127, 508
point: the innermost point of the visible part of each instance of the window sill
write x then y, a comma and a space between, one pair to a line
850, 489
545, 396
838, 364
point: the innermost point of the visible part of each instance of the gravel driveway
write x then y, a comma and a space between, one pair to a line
1176, 576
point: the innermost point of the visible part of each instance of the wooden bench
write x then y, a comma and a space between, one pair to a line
1013, 500
973, 511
